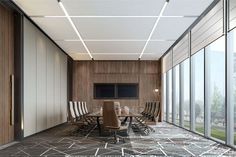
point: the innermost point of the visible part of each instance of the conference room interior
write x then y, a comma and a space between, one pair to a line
117, 78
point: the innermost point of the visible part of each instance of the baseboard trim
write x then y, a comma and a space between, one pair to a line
8, 145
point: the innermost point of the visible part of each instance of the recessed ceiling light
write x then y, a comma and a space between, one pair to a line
74, 27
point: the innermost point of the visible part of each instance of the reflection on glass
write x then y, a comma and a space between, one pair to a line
176, 94
197, 77
215, 81
169, 95
186, 91
232, 71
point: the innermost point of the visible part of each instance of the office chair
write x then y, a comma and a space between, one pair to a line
111, 121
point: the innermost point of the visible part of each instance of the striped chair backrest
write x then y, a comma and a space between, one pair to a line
85, 107
76, 109
71, 109
80, 108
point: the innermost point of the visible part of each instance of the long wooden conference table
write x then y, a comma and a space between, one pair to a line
98, 116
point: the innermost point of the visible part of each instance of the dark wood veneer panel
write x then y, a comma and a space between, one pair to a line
6, 69
145, 73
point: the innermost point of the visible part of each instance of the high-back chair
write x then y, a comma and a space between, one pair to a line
157, 111
76, 110
80, 108
83, 113
72, 115
85, 107
110, 120
147, 109
150, 109
153, 109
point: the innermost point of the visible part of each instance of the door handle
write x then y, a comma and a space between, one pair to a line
12, 108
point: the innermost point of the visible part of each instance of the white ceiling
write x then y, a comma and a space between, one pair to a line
114, 29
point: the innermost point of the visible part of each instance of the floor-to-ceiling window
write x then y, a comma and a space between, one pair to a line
169, 95
176, 94
232, 81
164, 95
185, 92
215, 87
232, 74
232, 61
197, 90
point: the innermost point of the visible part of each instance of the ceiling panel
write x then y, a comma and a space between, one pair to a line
56, 28
79, 56
114, 38
40, 7
115, 46
172, 28
116, 57
113, 7
114, 28
72, 46
158, 47
150, 56
186, 7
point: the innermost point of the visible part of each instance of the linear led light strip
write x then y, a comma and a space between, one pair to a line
135, 40
115, 16
74, 27
154, 27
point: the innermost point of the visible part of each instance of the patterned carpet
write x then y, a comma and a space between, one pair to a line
167, 140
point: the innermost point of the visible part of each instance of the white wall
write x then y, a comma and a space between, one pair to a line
45, 82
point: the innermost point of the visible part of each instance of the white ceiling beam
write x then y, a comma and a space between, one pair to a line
154, 27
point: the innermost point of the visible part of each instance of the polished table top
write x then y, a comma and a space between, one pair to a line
98, 114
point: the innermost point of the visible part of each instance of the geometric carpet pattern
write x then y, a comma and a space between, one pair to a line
167, 140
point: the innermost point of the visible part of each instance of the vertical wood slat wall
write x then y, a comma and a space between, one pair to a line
86, 73
6, 69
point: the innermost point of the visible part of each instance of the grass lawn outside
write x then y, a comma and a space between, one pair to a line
216, 133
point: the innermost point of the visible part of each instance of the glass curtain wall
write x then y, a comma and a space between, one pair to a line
197, 90
176, 94
164, 95
169, 95
185, 92
215, 87
232, 79
203, 79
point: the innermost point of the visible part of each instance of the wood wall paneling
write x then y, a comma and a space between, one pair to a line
6, 69
86, 73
